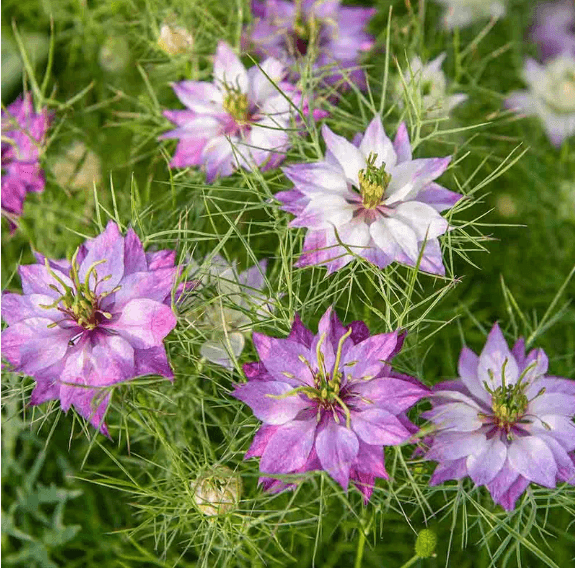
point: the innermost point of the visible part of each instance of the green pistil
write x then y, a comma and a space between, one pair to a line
373, 181
80, 302
327, 385
236, 104
509, 402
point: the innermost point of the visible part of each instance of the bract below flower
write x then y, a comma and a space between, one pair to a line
554, 28
462, 13
225, 318
551, 96
330, 34
504, 422
23, 139
91, 322
431, 87
328, 402
371, 198
241, 119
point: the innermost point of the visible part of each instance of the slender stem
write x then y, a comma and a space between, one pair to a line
360, 547
411, 561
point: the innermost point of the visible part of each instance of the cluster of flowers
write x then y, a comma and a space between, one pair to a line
329, 401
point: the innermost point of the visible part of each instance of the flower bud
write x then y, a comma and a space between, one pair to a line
175, 40
425, 543
217, 492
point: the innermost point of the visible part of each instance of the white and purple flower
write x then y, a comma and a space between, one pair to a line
242, 119
330, 34
551, 96
23, 140
430, 87
504, 422
328, 402
462, 13
554, 28
86, 324
372, 199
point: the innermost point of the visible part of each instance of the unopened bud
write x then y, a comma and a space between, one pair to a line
217, 492
425, 543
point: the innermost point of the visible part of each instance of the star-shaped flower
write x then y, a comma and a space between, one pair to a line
91, 322
370, 198
328, 402
504, 422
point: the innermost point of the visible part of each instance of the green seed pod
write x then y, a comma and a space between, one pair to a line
425, 543
217, 492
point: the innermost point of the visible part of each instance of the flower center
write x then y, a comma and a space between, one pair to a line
81, 302
373, 181
306, 31
560, 95
236, 104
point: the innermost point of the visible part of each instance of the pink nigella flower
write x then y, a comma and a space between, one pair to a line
241, 119
331, 34
329, 401
92, 322
23, 134
373, 197
504, 422
554, 28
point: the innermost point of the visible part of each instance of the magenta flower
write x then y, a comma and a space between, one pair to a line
92, 322
373, 197
241, 119
23, 137
504, 422
554, 28
331, 34
329, 401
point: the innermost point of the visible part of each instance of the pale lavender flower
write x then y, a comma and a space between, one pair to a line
23, 139
241, 119
462, 13
430, 87
228, 316
504, 422
372, 197
91, 322
551, 96
331, 34
328, 402
554, 28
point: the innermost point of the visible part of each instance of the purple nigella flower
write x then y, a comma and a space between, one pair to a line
23, 133
241, 119
92, 322
554, 28
504, 422
373, 197
551, 96
329, 401
331, 34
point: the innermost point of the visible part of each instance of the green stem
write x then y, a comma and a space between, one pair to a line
411, 561
360, 547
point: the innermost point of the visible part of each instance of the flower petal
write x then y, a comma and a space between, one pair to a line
533, 459
337, 448
348, 156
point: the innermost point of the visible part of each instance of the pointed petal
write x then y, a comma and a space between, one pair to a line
337, 448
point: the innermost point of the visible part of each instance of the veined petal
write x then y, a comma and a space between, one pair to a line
375, 140
349, 157
337, 448
229, 70
423, 219
533, 459
483, 467
378, 427
494, 358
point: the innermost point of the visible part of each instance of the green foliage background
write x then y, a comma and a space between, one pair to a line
72, 498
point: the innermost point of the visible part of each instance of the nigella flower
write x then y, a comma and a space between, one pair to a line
554, 28
551, 96
91, 322
241, 119
372, 197
431, 85
23, 138
224, 318
462, 13
328, 402
330, 34
504, 422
